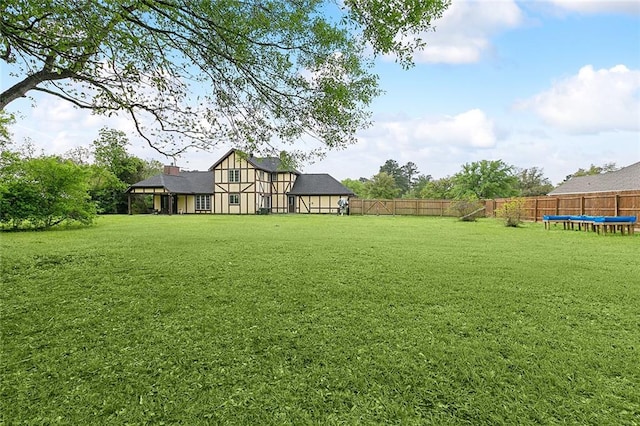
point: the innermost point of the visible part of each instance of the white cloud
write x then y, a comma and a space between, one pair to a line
57, 126
438, 145
56, 110
631, 7
471, 128
463, 33
591, 101
559, 155
468, 129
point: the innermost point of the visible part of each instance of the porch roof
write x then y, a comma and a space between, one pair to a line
184, 183
318, 184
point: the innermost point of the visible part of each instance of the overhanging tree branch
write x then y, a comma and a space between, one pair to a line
254, 73
31, 82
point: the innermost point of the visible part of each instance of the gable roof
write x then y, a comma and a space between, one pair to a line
318, 184
184, 183
267, 164
625, 179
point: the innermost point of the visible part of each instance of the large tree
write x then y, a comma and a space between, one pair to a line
258, 73
357, 186
411, 173
417, 185
382, 186
405, 176
532, 182
393, 169
439, 189
114, 170
110, 151
485, 179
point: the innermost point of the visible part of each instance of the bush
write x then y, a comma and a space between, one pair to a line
38, 193
468, 209
512, 212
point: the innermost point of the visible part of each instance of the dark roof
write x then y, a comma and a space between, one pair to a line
184, 183
267, 164
625, 179
318, 184
270, 164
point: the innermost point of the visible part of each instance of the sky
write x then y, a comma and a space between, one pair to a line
549, 84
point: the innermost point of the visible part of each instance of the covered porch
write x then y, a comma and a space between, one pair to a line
176, 192
165, 202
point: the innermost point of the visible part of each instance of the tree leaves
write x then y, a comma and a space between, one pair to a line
42, 192
259, 75
485, 180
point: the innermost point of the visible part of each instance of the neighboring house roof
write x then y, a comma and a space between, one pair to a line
318, 184
184, 183
625, 179
267, 164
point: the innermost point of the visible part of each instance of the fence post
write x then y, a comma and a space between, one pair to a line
582, 205
617, 204
535, 211
557, 206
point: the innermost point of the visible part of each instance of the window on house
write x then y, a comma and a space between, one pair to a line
203, 202
234, 175
234, 199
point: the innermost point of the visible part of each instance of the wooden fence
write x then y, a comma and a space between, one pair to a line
607, 204
610, 204
400, 206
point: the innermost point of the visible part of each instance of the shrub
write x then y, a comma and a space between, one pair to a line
41, 192
512, 212
468, 209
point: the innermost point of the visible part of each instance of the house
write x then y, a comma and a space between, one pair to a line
241, 184
175, 191
623, 180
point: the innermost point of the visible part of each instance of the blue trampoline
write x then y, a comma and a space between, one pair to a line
599, 224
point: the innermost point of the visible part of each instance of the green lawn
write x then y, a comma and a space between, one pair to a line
318, 320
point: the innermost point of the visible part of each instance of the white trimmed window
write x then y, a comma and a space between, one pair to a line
234, 199
203, 202
234, 175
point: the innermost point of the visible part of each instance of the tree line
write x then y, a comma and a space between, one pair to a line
39, 191
484, 179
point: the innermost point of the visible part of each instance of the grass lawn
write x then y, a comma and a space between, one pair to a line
318, 320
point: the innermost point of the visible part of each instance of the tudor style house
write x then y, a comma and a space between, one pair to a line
240, 184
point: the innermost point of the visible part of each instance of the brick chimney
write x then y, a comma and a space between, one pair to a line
172, 170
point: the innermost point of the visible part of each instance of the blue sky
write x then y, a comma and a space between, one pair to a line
552, 84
